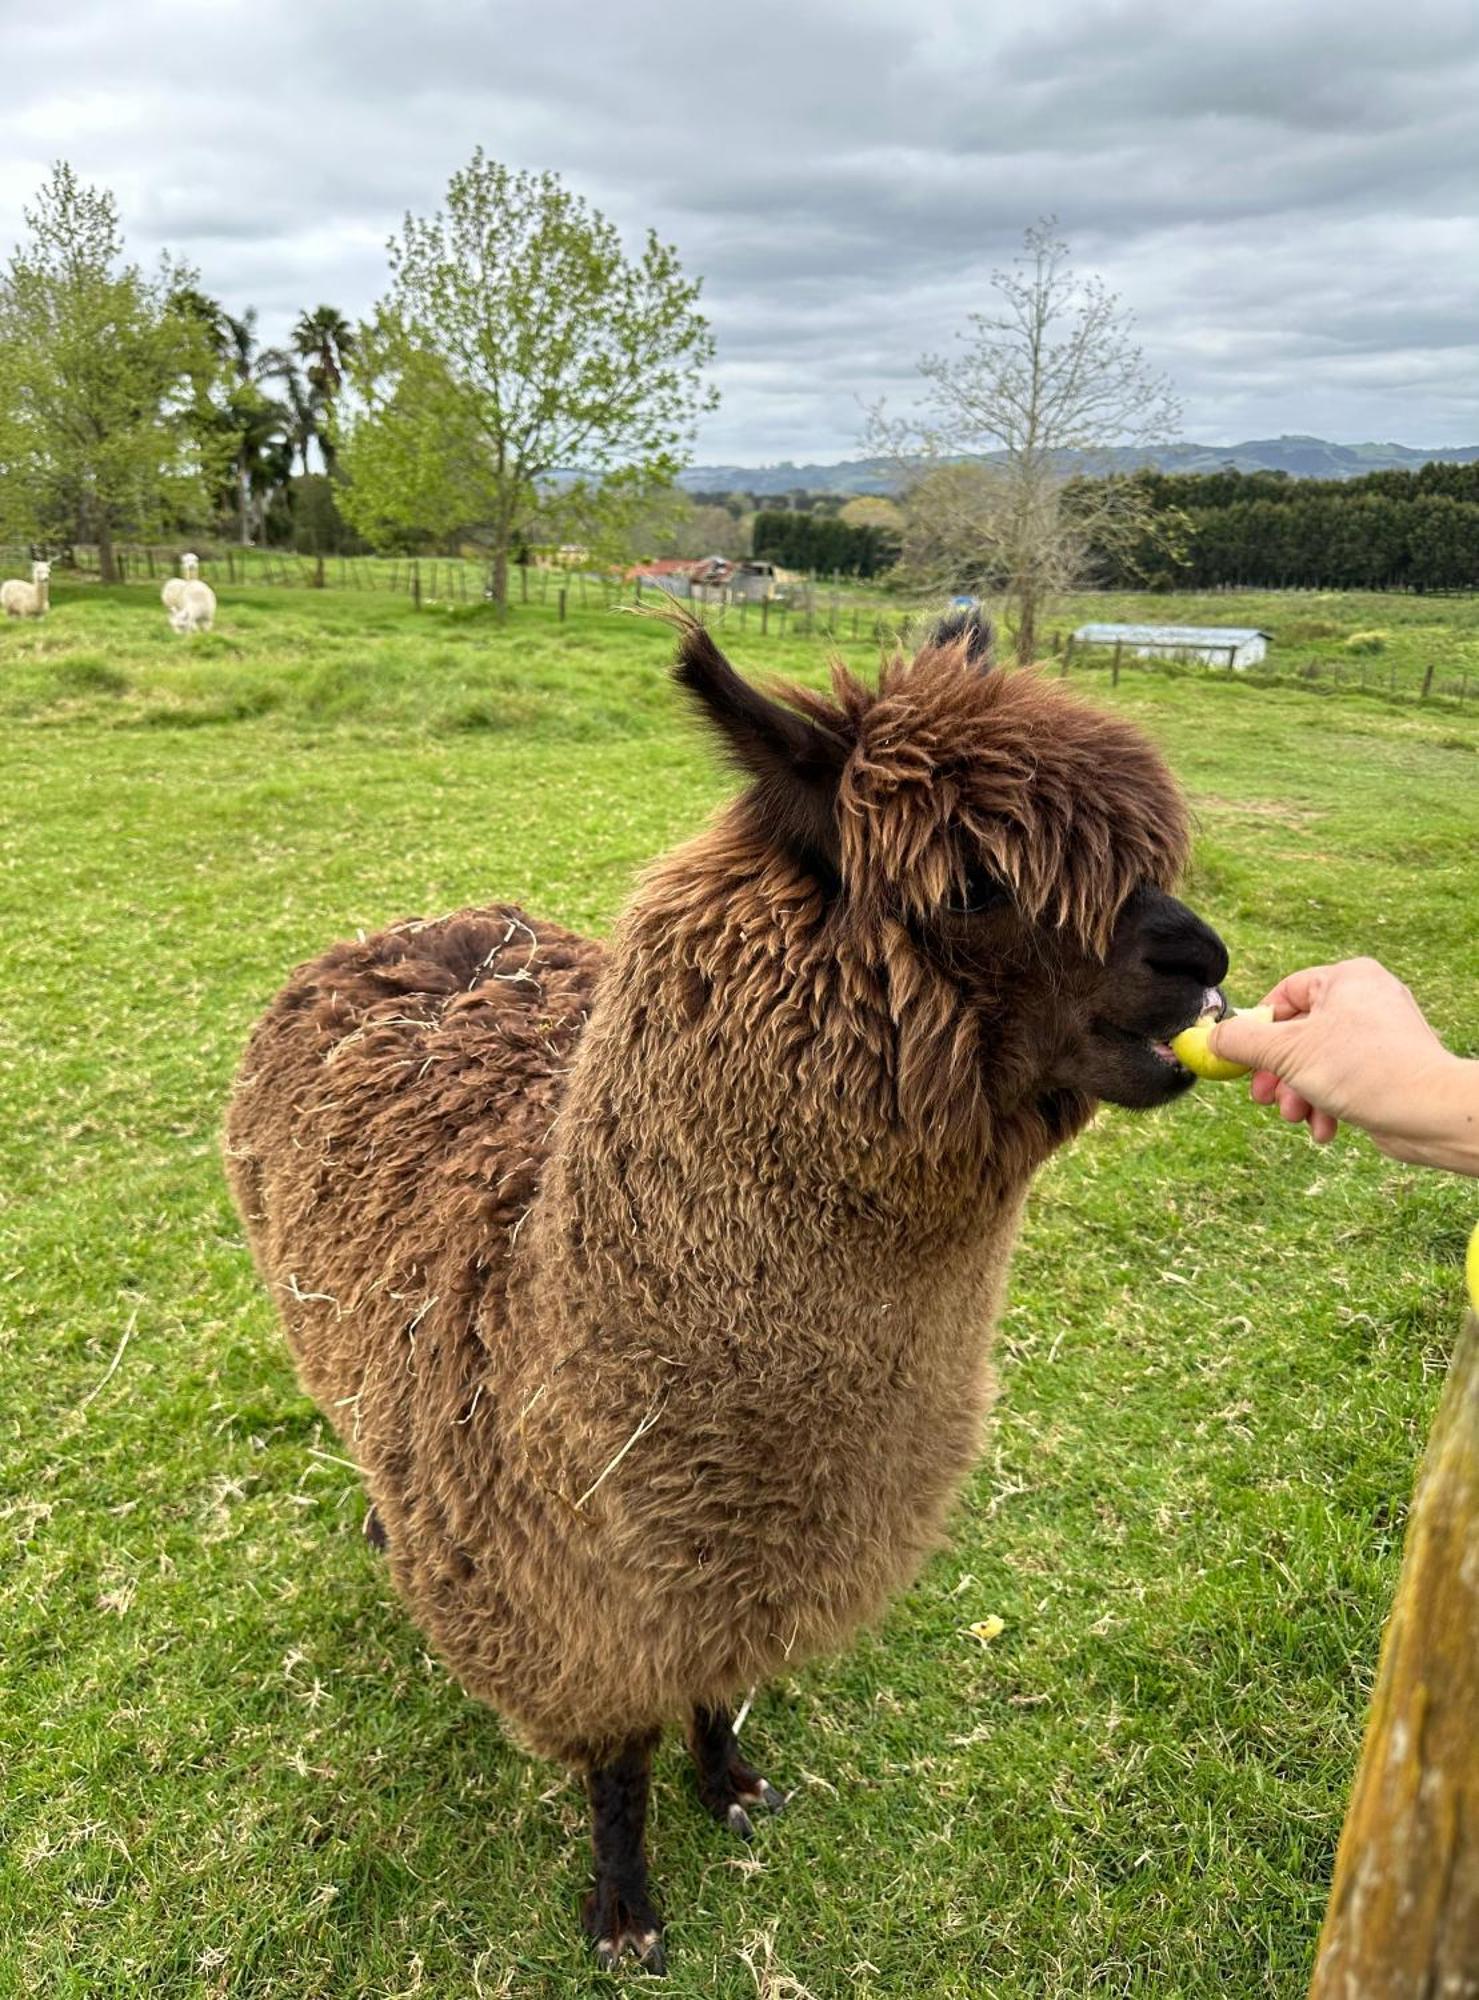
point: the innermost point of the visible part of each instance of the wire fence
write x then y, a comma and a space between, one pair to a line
799, 610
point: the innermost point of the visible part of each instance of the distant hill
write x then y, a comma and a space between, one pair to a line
1300, 457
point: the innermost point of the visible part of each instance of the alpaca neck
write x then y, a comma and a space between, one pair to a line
43, 592
737, 1115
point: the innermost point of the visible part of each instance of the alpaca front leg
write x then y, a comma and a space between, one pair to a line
726, 1784
619, 1915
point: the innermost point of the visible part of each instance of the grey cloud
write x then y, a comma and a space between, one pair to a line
1286, 196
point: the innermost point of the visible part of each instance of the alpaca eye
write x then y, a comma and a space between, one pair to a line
979, 892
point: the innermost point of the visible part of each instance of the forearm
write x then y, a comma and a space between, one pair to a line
1445, 1113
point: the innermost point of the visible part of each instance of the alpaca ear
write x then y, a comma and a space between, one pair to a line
796, 764
972, 625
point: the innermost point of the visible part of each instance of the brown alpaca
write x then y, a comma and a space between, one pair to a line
652, 1286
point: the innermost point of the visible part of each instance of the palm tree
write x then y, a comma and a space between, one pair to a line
324, 339
305, 408
258, 420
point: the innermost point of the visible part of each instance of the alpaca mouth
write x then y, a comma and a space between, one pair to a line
1215, 1003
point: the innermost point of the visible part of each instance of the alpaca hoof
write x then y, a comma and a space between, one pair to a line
645, 1947
736, 1792
619, 1929
375, 1533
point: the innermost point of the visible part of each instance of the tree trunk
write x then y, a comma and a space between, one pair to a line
244, 506
107, 560
1402, 1922
500, 571
1026, 625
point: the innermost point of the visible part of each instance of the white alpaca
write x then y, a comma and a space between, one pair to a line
174, 591
190, 603
28, 600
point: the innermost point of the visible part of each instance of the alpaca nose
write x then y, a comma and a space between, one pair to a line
1176, 944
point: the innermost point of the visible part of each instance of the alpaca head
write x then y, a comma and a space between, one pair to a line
996, 855
40, 572
189, 565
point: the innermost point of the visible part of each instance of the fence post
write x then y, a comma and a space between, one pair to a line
1428, 681
1403, 1915
764, 614
1067, 658
416, 582
1114, 671
563, 594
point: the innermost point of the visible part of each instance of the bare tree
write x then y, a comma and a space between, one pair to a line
1042, 388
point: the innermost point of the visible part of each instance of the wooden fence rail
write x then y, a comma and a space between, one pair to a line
1403, 1918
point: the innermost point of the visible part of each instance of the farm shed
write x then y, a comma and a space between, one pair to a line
1219, 645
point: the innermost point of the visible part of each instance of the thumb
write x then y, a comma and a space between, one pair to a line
1253, 1039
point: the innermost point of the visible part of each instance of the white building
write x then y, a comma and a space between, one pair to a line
1219, 645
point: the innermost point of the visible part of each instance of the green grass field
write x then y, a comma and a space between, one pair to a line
227, 1765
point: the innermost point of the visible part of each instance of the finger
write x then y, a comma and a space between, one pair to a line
1297, 992
1323, 1127
1260, 1044
1292, 1106
1263, 1086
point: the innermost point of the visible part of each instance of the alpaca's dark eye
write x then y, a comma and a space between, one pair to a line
978, 892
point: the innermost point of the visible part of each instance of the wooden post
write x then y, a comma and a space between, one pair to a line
1067, 658
563, 595
416, 582
1428, 681
1114, 667
765, 614
1403, 1915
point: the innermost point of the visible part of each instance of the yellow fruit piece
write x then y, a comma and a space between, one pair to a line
1192, 1048
988, 1629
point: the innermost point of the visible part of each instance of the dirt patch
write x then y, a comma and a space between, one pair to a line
1276, 811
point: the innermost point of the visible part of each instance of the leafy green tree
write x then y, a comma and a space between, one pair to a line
517, 340
98, 376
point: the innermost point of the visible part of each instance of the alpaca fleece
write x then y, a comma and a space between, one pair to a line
651, 1288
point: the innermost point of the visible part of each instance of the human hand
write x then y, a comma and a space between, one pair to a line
1349, 1042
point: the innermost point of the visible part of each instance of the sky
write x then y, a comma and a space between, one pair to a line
1285, 196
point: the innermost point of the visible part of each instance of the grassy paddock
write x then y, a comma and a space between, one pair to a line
228, 1765
114, 642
